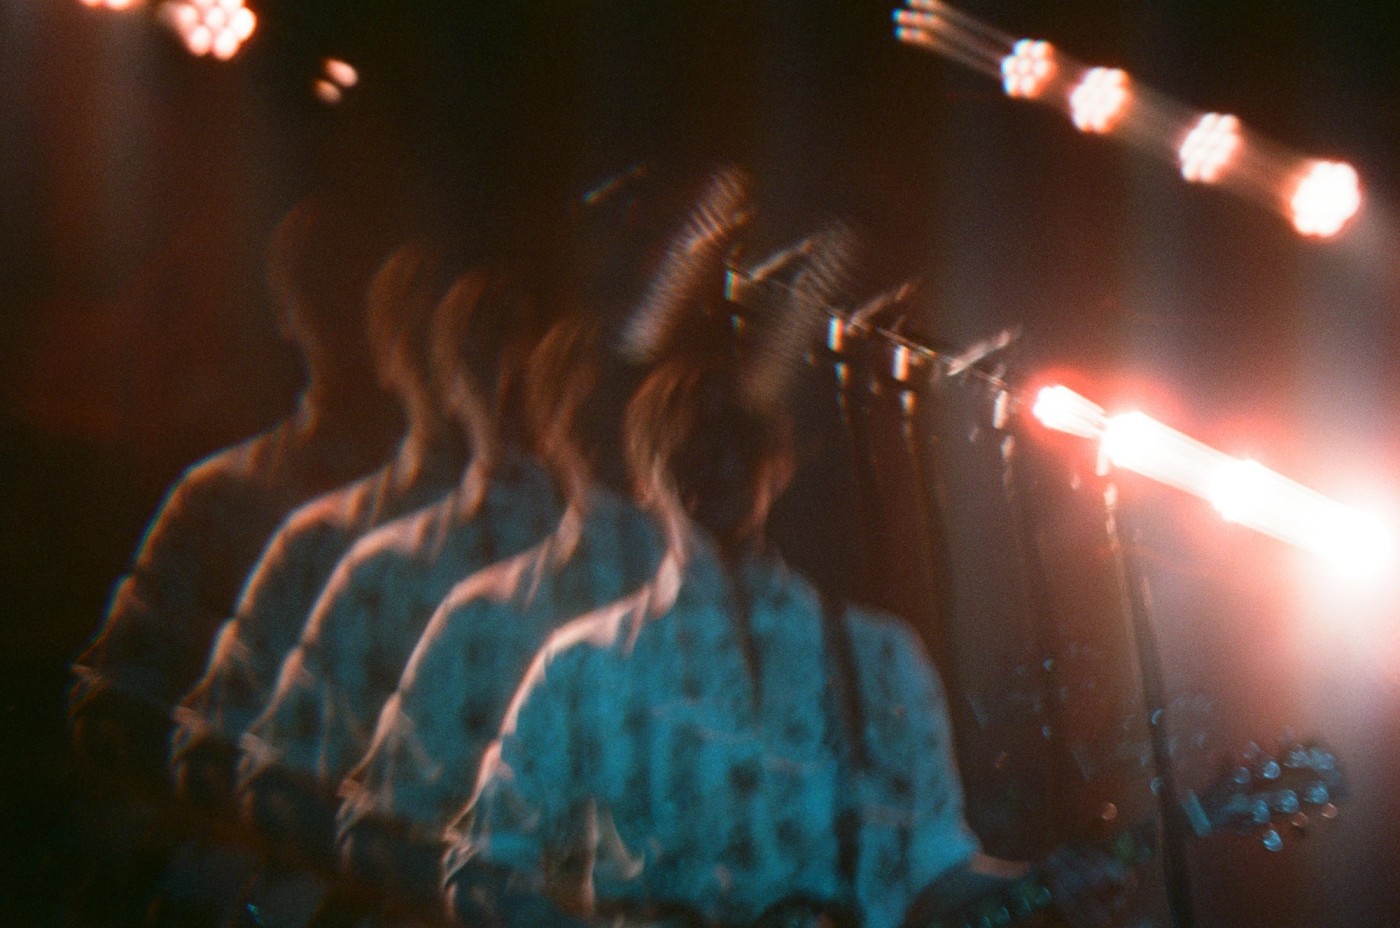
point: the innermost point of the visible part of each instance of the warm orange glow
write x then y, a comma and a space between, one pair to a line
117, 5
326, 91
1209, 147
1328, 195
1135, 441
1063, 410
342, 73
211, 27
1028, 69
1099, 101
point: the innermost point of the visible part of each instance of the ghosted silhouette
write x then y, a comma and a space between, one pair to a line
302, 554
218, 515
428, 745
374, 607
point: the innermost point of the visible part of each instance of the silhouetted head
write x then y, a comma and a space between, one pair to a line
322, 257
483, 332
402, 298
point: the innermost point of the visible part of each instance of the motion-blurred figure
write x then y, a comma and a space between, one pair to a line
363, 627
218, 515
455, 690
299, 560
727, 745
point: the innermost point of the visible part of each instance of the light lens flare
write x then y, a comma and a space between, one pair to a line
1063, 410
1135, 441
1328, 195
1240, 490
210, 27
1028, 69
1098, 102
1357, 543
1209, 147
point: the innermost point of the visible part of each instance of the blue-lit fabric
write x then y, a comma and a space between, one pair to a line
422, 764
283, 588
372, 612
650, 762
196, 555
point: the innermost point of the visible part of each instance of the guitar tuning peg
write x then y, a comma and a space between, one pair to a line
1317, 794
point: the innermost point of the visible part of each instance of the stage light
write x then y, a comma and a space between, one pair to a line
117, 5
1028, 69
1203, 147
1098, 102
337, 77
1135, 441
1209, 147
1240, 491
1358, 543
211, 27
1328, 195
1063, 410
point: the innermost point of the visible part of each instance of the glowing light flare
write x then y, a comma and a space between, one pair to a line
1060, 408
1135, 441
1209, 147
1358, 543
1328, 195
1028, 69
116, 5
211, 27
1240, 490
1099, 100
341, 72
1245, 492
337, 77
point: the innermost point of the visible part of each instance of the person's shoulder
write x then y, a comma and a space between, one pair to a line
345, 508
399, 537
224, 470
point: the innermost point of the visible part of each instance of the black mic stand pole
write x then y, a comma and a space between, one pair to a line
1132, 585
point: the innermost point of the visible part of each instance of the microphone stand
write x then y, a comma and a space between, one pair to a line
1132, 586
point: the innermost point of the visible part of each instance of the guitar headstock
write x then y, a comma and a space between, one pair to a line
1260, 791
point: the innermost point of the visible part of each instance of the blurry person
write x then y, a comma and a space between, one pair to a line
299, 560
454, 692
218, 515
359, 635
726, 746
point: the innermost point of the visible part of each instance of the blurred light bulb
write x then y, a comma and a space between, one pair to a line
1099, 101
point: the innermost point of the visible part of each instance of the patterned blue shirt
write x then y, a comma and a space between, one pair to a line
284, 586
196, 555
422, 764
662, 751
352, 651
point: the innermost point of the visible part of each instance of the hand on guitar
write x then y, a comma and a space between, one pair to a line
1088, 887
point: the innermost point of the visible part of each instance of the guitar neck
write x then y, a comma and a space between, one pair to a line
1030, 895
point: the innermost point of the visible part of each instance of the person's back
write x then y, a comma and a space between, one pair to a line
360, 633
214, 523
703, 762
298, 561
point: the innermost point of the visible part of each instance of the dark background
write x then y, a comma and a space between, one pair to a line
137, 186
